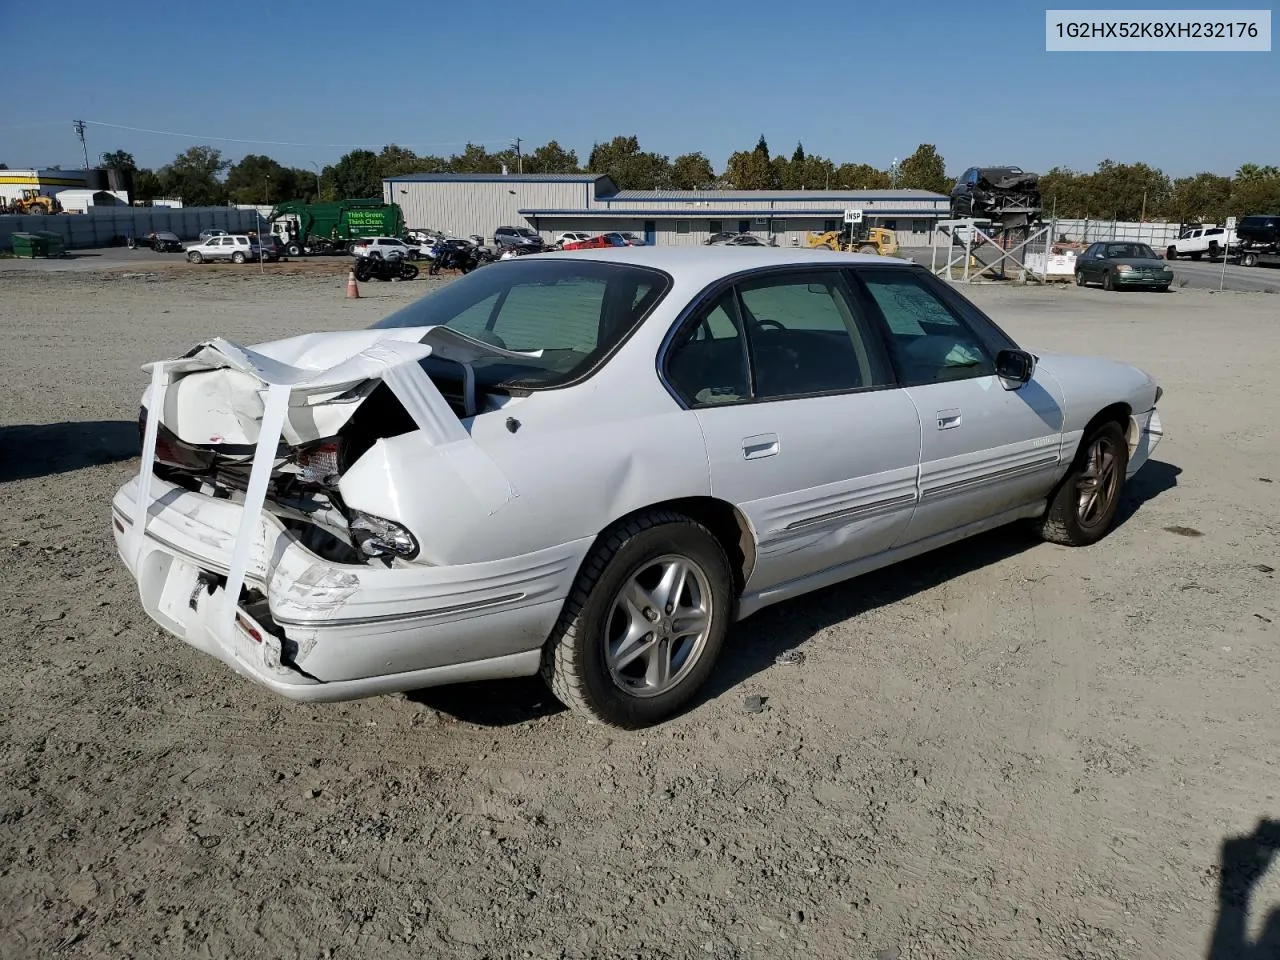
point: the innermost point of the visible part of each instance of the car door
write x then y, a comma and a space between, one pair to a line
1086, 263
987, 448
806, 431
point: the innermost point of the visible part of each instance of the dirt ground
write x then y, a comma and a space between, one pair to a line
1004, 750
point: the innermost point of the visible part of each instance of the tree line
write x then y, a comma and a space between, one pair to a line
1123, 191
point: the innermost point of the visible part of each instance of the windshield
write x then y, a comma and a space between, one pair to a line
574, 312
1131, 251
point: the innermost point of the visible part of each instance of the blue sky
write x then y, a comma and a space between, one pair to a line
855, 81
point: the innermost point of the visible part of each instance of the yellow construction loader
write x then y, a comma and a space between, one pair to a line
856, 238
33, 203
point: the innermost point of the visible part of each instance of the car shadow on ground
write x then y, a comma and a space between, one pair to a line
44, 449
754, 644
491, 703
1244, 861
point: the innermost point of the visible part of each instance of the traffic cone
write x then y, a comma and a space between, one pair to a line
353, 289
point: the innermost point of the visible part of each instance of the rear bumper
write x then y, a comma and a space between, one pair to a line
314, 630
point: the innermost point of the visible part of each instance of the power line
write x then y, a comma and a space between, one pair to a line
283, 143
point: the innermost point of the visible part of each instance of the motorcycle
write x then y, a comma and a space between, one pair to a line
393, 267
454, 255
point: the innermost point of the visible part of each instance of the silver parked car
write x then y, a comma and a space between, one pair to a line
589, 464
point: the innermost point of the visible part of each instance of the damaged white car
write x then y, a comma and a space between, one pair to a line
589, 464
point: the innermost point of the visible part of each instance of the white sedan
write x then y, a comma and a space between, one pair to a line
590, 464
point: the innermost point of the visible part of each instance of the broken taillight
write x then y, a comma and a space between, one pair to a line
319, 464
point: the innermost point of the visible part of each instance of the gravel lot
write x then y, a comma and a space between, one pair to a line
1004, 750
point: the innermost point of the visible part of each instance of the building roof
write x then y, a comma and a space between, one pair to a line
499, 178
851, 195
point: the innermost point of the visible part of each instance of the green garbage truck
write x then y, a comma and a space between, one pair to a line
329, 227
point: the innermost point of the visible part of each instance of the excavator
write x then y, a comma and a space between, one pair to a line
32, 203
856, 238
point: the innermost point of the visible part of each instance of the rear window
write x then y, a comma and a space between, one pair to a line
573, 314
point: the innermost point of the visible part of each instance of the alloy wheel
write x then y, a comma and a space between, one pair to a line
1098, 484
659, 625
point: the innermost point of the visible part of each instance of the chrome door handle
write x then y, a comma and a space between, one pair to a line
761, 445
947, 419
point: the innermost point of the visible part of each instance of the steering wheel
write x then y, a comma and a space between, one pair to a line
766, 322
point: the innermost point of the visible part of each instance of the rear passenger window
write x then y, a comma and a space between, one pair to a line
805, 337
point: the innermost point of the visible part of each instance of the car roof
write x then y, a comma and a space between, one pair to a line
722, 260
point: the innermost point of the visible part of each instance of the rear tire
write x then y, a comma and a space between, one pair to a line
237, 257
294, 250
603, 660
1082, 510
868, 248
409, 271
1171, 253
1249, 260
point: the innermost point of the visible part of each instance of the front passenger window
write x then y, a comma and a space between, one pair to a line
928, 340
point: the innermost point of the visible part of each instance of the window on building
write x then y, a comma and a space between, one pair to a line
919, 226
891, 224
715, 226
777, 226
761, 222
829, 225
682, 226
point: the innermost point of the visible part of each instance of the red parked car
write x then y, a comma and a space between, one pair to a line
603, 240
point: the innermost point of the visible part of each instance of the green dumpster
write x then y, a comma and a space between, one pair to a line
54, 246
28, 245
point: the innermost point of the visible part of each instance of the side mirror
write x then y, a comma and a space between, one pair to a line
1015, 366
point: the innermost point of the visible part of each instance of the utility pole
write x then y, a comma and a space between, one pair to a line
519, 157
79, 125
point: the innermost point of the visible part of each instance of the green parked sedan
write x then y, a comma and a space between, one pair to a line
1118, 265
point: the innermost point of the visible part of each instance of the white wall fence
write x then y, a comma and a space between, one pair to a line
1158, 235
106, 226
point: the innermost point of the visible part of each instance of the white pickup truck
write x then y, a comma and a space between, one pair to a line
1195, 242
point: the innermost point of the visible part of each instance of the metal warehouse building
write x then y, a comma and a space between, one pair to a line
466, 204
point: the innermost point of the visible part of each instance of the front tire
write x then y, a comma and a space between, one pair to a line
644, 622
1079, 278
195, 256
1249, 260
1171, 253
1107, 283
1083, 508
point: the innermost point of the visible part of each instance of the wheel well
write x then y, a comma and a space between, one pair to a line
726, 524
1119, 413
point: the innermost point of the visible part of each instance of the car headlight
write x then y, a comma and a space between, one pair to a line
377, 536
1124, 268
